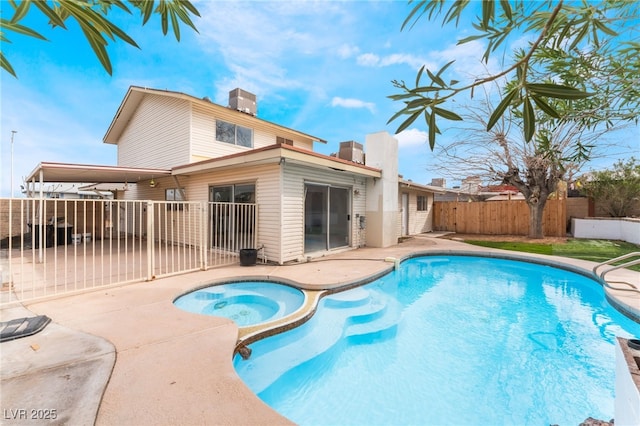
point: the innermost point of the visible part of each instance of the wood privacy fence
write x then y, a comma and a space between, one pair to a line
497, 217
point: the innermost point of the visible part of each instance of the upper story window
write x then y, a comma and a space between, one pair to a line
422, 203
234, 134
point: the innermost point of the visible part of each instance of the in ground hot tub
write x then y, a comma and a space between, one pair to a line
247, 302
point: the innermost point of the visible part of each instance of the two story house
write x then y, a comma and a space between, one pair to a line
177, 147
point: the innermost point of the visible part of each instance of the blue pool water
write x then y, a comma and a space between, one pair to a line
247, 303
448, 340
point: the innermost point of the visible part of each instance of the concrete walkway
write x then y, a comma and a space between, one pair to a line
127, 356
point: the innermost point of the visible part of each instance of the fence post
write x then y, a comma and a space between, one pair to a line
150, 240
204, 227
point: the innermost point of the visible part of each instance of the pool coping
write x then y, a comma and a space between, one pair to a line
154, 341
250, 334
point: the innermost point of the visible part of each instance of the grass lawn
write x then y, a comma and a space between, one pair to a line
593, 250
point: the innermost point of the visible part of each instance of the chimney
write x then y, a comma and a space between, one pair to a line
243, 101
439, 182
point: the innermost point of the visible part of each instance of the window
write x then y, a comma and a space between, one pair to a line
234, 134
422, 203
241, 193
174, 194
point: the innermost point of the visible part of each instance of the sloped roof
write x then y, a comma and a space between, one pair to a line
135, 94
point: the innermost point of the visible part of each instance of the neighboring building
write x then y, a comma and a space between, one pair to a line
66, 191
176, 147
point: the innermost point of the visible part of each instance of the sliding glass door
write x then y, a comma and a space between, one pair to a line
326, 217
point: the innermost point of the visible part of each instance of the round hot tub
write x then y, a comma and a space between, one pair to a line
247, 303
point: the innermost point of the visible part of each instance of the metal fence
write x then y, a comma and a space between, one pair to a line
52, 247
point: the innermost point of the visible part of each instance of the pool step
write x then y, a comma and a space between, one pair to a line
381, 326
362, 317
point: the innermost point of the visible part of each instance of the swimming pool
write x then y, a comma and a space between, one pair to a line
247, 303
448, 340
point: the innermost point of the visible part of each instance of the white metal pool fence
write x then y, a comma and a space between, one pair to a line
79, 245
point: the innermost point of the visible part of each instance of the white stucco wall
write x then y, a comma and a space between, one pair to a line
382, 194
624, 229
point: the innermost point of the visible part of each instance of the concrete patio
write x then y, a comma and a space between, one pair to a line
127, 356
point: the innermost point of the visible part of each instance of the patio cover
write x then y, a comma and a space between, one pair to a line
87, 173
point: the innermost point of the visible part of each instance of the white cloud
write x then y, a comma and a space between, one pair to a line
468, 60
347, 51
368, 60
373, 60
411, 137
352, 103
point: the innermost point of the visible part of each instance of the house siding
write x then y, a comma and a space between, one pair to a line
419, 221
266, 179
294, 178
204, 144
157, 135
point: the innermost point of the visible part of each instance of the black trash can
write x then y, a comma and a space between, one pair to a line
63, 234
47, 237
248, 257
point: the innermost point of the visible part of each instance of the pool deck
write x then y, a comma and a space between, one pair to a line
127, 356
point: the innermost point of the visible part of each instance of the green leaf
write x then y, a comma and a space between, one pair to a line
97, 43
545, 106
410, 16
164, 22
20, 29
506, 8
583, 32
4, 63
55, 19
529, 119
444, 68
403, 111
191, 8
449, 115
21, 11
557, 91
436, 79
425, 89
432, 129
122, 35
501, 108
175, 25
146, 9
468, 39
408, 121
487, 13
419, 75
602, 27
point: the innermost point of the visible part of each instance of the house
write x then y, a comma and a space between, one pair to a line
176, 147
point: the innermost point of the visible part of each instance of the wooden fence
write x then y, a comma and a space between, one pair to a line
497, 217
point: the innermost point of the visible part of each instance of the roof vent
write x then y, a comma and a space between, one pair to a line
243, 101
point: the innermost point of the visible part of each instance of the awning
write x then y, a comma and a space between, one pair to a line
87, 173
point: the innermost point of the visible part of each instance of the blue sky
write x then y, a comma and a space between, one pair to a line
324, 68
